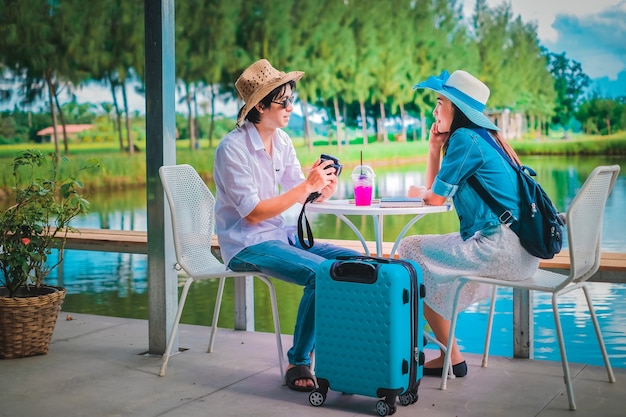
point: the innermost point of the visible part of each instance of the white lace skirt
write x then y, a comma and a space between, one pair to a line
495, 253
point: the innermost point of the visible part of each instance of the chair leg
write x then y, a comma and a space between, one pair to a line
492, 306
443, 348
431, 338
179, 312
447, 362
596, 325
279, 342
566, 373
216, 312
272, 291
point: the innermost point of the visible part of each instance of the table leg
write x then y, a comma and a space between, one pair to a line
378, 233
357, 232
402, 233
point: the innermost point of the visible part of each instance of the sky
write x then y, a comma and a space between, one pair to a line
592, 32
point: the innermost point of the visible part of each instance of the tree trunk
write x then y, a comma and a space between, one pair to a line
423, 124
344, 116
118, 119
337, 127
534, 127
191, 123
196, 126
212, 119
308, 138
363, 122
383, 128
62, 117
402, 115
129, 136
330, 130
51, 95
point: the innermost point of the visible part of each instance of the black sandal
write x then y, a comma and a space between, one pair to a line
296, 373
459, 370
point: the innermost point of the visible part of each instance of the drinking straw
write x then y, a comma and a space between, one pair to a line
361, 162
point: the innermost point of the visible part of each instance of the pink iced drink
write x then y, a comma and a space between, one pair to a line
363, 195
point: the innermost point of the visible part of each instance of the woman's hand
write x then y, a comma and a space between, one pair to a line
427, 195
417, 191
437, 139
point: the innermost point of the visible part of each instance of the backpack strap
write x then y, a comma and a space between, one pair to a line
505, 216
485, 135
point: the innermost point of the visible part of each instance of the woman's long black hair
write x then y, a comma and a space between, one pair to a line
461, 120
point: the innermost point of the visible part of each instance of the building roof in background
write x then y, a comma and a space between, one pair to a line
68, 128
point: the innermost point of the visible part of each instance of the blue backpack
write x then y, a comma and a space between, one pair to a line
539, 226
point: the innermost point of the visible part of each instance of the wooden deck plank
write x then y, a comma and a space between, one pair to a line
126, 241
123, 241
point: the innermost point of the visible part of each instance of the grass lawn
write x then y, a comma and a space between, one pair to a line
121, 170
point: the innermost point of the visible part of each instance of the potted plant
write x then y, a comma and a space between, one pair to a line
36, 222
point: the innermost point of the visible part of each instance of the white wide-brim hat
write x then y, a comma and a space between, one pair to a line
467, 92
257, 81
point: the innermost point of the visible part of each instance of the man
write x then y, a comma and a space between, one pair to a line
258, 177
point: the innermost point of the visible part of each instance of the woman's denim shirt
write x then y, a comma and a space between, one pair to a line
469, 154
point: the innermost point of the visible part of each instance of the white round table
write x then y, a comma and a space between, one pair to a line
343, 208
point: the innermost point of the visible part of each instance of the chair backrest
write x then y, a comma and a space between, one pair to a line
192, 206
584, 222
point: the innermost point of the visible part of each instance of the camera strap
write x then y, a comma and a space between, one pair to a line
302, 220
309, 242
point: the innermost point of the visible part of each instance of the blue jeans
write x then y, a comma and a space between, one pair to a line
291, 263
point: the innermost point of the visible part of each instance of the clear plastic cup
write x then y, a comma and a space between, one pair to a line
363, 179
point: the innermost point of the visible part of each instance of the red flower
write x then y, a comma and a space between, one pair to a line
25, 240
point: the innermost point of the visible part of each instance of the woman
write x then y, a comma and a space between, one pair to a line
484, 246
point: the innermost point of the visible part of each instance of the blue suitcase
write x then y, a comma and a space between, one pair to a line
369, 330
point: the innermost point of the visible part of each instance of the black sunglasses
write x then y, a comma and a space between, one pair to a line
286, 102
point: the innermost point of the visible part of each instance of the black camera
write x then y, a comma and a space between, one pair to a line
335, 165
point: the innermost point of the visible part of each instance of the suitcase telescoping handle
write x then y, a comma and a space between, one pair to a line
354, 270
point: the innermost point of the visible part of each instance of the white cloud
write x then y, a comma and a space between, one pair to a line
597, 41
544, 12
592, 32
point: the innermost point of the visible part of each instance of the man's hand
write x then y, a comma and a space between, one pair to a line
321, 179
329, 190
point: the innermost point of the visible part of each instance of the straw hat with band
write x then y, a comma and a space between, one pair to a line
467, 92
257, 81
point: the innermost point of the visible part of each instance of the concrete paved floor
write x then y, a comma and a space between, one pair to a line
96, 366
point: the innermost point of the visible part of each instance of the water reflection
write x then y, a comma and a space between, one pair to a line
116, 284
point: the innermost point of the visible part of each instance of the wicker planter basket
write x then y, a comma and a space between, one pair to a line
27, 321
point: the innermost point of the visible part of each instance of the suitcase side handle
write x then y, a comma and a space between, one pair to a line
354, 271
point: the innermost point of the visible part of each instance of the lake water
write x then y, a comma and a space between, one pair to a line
116, 284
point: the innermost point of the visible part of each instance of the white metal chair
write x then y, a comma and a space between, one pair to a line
192, 207
584, 226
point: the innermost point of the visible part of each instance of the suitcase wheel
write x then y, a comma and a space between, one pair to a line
385, 409
408, 398
316, 398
